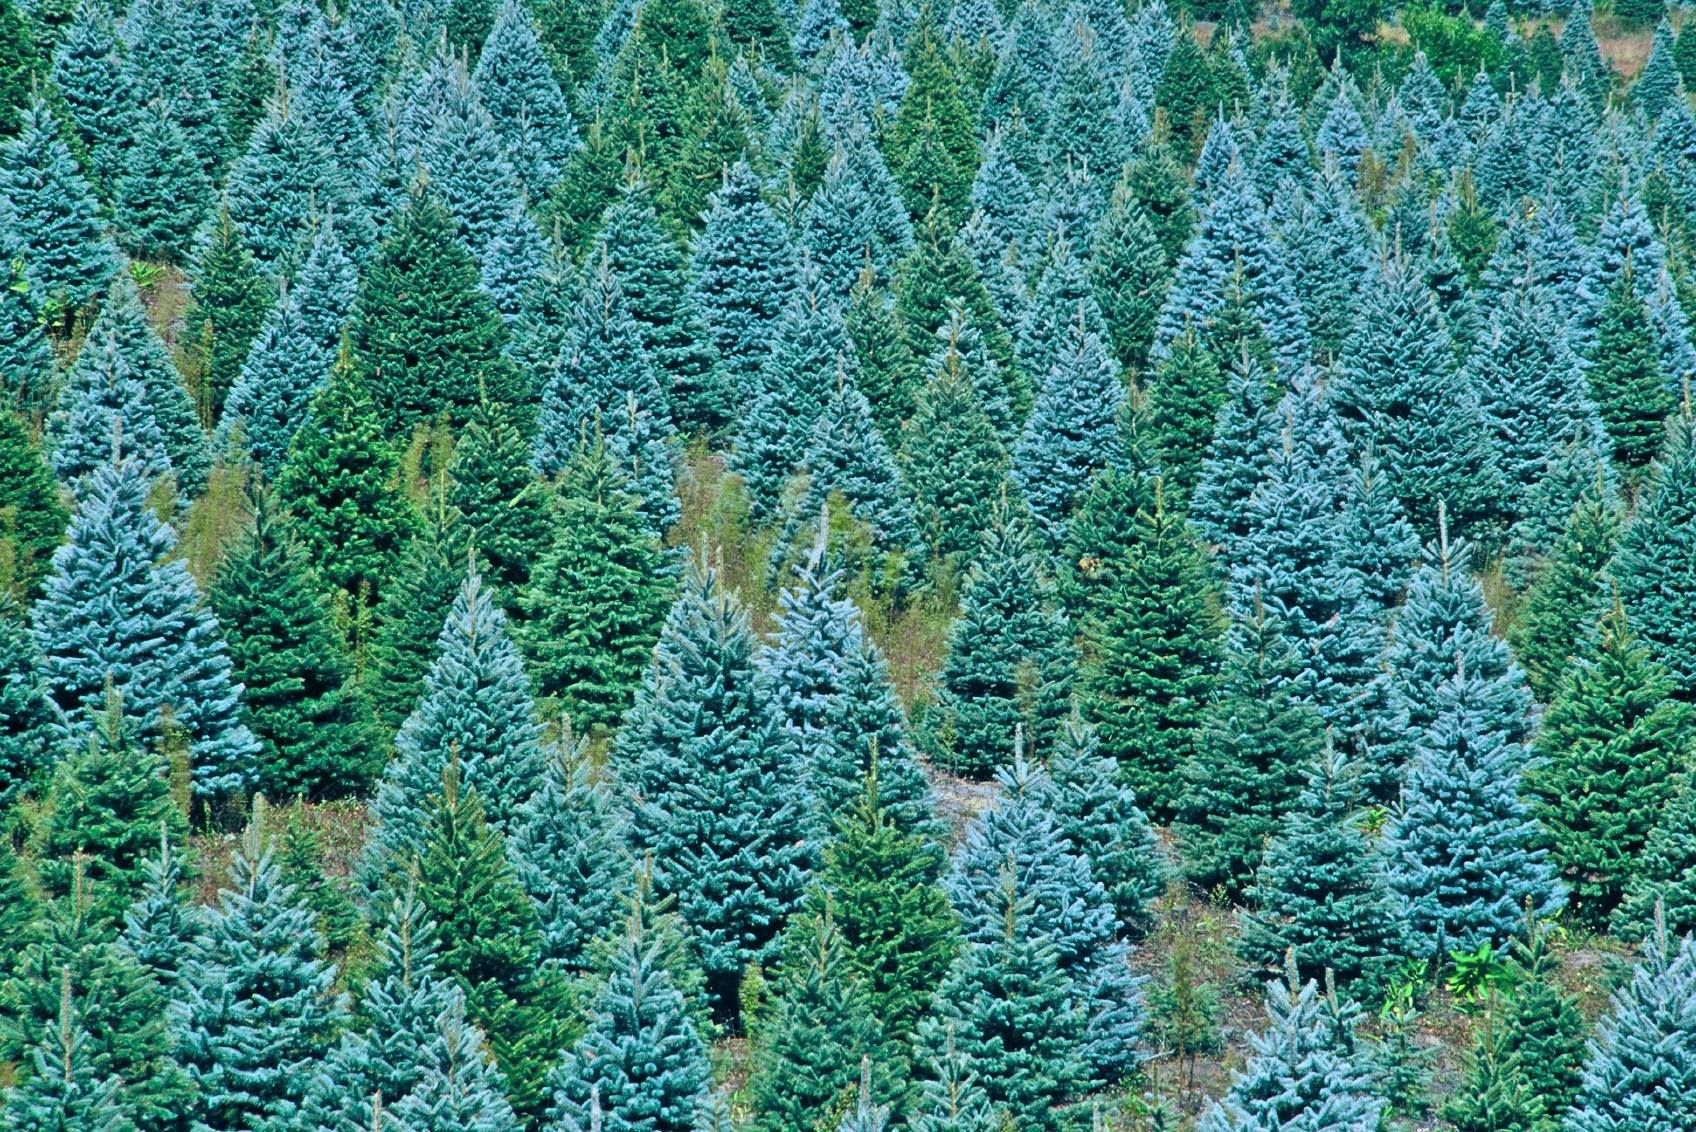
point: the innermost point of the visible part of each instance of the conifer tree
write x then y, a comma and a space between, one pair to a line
606, 381
343, 500
744, 271
856, 222
465, 1090
1639, 1071
952, 460
596, 597
67, 259
1538, 1038
64, 1092
123, 329
1185, 396
284, 177
1100, 816
29, 735
1444, 623
160, 197
504, 510
1151, 655
900, 934
1072, 430
116, 615
1611, 752
160, 926
1319, 891
642, 1066
426, 339
721, 812
71, 946
389, 1056
1462, 854
26, 360
1398, 388
1008, 1009
103, 400
490, 941
951, 1097
810, 1040
567, 849
476, 715
316, 734
1656, 563
1243, 435
111, 803
1017, 849
880, 358
409, 617
89, 75
1565, 595
654, 276
231, 301
1258, 740
518, 87
1631, 389
1664, 879
258, 1003
1010, 656
1304, 1069
273, 393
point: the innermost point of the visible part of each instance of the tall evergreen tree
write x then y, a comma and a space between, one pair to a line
409, 617
642, 1066
655, 279
67, 259
1639, 1073
1151, 656
426, 340
1566, 594
1398, 388
316, 734
1319, 893
1611, 755
491, 943
344, 505
1259, 738
722, 814
1010, 657
522, 94
161, 195
809, 1042
29, 735
597, 596
111, 804
258, 1002
1656, 563
231, 300
567, 849
65, 1092
1632, 391
118, 615
744, 271
879, 882
1462, 854
273, 393
504, 510
475, 714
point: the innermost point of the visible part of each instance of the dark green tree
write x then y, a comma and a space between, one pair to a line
231, 299
426, 339
1612, 752
32, 519
317, 736
1626, 378
504, 510
1566, 595
597, 595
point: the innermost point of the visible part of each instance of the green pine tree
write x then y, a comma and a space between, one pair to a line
1612, 751
231, 299
344, 502
317, 735
1566, 595
409, 617
426, 339
897, 928
109, 798
597, 595
65, 1092
32, 518
504, 509
1626, 379
1151, 656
